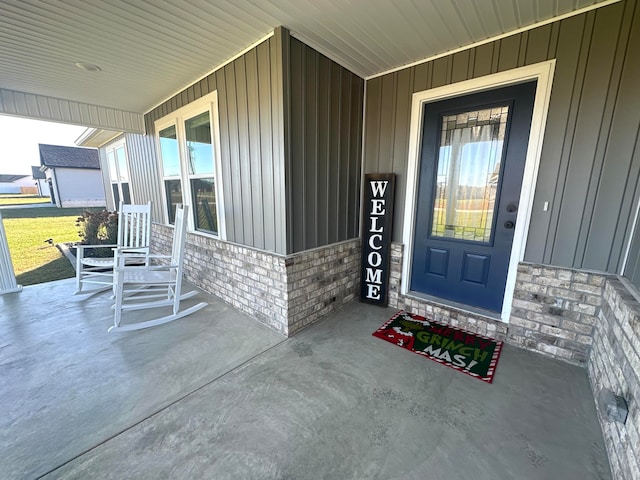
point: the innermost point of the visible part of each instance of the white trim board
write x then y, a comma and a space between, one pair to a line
543, 73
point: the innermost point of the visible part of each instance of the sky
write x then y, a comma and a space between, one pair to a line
19, 139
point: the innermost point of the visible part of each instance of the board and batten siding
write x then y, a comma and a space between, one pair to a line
325, 138
250, 109
590, 157
291, 140
630, 125
142, 159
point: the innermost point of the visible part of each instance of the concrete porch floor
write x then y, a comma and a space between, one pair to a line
218, 396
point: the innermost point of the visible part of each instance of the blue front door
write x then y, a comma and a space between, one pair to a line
472, 161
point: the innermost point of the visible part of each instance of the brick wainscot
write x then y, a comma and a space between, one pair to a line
286, 293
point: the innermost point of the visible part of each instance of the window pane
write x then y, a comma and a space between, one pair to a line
174, 197
123, 171
469, 159
169, 152
113, 169
126, 194
204, 201
116, 194
199, 147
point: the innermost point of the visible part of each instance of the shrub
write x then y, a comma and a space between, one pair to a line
98, 228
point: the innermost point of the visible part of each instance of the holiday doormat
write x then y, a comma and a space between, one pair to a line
469, 353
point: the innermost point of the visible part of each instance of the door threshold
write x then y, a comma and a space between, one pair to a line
461, 307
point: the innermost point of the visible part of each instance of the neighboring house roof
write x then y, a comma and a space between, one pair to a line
5, 178
53, 156
37, 174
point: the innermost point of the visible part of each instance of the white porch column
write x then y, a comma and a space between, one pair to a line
8, 282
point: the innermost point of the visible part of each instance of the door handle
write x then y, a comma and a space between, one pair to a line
509, 224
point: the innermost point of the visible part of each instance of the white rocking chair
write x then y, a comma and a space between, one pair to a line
153, 285
134, 234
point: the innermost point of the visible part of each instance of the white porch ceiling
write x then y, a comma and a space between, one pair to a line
150, 49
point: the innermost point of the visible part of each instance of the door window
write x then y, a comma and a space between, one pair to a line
469, 159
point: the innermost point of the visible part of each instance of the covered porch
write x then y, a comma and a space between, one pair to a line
218, 395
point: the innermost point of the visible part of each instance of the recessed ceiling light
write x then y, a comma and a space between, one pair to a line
89, 67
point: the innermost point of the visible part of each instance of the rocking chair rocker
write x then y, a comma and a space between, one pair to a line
153, 285
134, 233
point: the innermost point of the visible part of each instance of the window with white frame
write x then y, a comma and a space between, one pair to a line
118, 173
169, 153
190, 161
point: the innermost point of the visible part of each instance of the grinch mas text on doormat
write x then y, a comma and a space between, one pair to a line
467, 352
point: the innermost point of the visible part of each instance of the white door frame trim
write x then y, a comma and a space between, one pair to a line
543, 73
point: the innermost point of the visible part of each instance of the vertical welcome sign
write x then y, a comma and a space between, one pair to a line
377, 217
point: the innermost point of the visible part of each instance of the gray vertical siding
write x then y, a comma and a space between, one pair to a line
250, 108
323, 165
290, 134
626, 135
619, 172
590, 160
143, 159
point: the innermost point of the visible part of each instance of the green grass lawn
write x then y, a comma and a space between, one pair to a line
34, 259
15, 199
